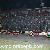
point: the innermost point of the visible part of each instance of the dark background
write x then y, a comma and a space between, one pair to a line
22, 3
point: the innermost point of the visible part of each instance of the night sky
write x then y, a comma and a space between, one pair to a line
22, 3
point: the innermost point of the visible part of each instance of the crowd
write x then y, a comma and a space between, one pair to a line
24, 20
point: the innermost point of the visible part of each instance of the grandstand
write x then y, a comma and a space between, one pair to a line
26, 19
